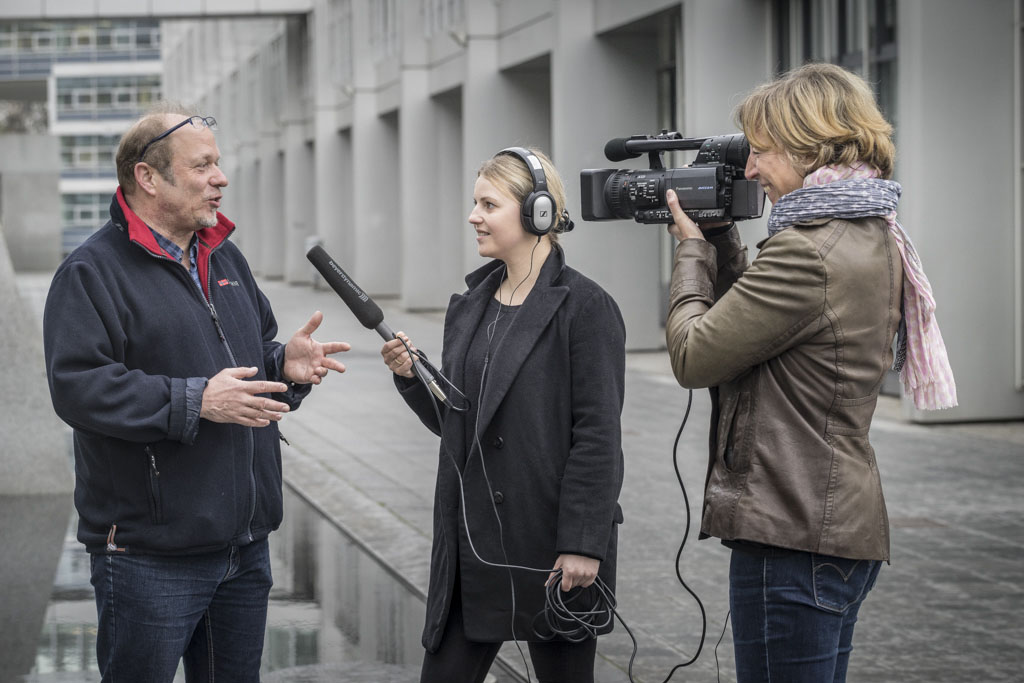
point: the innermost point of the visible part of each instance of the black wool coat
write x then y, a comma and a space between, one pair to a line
549, 427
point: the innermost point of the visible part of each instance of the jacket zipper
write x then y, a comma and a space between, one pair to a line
154, 487
250, 441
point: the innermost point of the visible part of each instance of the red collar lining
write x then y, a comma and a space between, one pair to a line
209, 238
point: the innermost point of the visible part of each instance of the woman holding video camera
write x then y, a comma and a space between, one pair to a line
530, 462
794, 347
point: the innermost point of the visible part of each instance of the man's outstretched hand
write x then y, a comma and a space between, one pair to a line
307, 361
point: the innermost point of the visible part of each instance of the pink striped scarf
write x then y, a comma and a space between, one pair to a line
926, 374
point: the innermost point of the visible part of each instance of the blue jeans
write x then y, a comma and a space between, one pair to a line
210, 610
793, 614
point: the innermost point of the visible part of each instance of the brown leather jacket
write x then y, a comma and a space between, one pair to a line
795, 348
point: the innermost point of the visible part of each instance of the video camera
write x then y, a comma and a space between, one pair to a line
711, 189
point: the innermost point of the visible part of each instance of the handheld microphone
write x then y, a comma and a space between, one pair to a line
367, 312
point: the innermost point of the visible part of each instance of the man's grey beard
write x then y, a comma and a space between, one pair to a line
208, 221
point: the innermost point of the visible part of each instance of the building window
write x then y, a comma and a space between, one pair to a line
442, 16
105, 97
340, 38
42, 42
30, 48
88, 156
83, 38
124, 38
83, 214
383, 29
859, 35
84, 210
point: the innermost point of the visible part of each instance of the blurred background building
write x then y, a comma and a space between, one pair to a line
83, 82
361, 123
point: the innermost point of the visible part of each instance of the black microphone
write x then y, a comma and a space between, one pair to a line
367, 312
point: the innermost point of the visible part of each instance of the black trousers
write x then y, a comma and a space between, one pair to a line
459, 660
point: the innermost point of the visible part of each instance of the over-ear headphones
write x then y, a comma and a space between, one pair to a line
538, 212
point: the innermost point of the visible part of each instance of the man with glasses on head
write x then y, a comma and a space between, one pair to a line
160, 353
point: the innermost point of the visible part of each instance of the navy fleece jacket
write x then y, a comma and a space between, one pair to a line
129, 343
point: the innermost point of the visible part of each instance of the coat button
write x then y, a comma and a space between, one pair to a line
498, 498
499, 442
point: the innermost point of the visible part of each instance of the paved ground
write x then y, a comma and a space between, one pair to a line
948, 608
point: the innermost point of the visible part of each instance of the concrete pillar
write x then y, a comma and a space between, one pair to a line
298, 154
29, 180
711, 94
623, 66
332, 151
958, 199
375, 257
244, 191
497, 112
298, 214
331, 179
450, 231
270, 201
430, 269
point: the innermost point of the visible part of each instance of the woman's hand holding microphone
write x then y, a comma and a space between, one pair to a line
396, 357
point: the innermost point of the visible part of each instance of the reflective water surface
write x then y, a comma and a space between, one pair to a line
332, 603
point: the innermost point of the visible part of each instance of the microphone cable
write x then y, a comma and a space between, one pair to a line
419, 356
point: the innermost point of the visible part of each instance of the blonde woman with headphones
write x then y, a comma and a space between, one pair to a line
530, 467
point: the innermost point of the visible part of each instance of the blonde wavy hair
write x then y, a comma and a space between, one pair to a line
819, 114
508, 172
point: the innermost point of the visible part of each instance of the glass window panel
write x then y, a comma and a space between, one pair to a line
123, 38
83, 98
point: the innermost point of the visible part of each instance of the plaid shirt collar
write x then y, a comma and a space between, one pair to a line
176, 253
